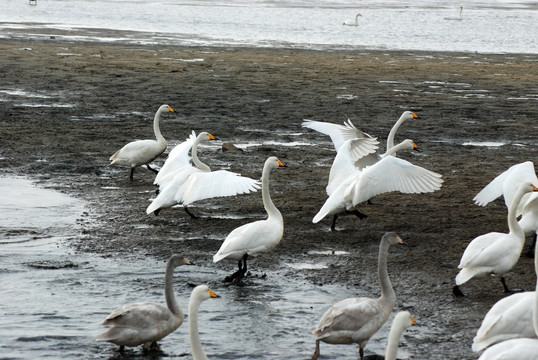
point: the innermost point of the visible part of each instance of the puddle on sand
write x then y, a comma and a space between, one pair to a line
53, 300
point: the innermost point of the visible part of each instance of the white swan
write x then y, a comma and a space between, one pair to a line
356, 23
365, 155
146, 323
257, 237
199, 294
455, 18
506, 184
194, 183
177, 158
520, 348
494, 253
402, 321
355, 320
387, 175
142, 152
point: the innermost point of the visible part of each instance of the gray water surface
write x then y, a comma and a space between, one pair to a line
52, 299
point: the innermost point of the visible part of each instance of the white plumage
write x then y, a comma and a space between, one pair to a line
142, 152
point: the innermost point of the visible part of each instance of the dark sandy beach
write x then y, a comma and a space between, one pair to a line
88, 100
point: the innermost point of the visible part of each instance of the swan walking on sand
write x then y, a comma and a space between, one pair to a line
194, 183
506, 184
146, 323
199, 294
518, 348
402, 321
257, 237
355, 320
494, 253
356, 23
142, 152
455, 18
387, 175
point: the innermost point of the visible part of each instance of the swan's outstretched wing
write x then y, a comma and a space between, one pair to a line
338, 133
509, 318
392, 174
507, 182
344, 163
204, 185
177, 158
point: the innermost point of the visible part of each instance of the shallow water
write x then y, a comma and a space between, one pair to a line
488, 26
53, 299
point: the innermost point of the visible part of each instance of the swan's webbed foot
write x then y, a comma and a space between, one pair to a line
316, 352
457, 292
152, 169
237, 277
507, 289
154, 346
357, 213
190, 214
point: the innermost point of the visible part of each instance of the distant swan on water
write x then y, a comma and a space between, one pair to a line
455, 18
356, 23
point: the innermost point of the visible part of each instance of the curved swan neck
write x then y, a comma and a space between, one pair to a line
387, 292
392, 133
395, 333
196, 345
513, 225
394, 149
199, 164
171, 300
266, 196
156, 128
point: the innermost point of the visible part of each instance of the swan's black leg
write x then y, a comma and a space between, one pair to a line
357, 213
156, 212
507, 289
361, 352
121, 348
244, 269
333, 226
188, 212
457, 292
530, 252
152, 169
132, 172
316, 352
232, 277
237, 277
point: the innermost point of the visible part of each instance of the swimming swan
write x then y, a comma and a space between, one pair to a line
146, 323
194, 183
355, 320
520, 348
142, 152
494, 253
259, 236
455, 18
506, 184
356, 23
402, 321
199, 294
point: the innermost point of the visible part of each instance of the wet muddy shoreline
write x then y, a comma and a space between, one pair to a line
67, 107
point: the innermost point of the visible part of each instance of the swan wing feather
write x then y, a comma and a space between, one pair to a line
204, 185
392, 174
177, 158
338, 133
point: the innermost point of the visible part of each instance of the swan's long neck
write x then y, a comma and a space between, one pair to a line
199, 164
387, 292
157, 129
392, 133
171, 300
394, 149
513, 225
268, 204
196, 345
395, 333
